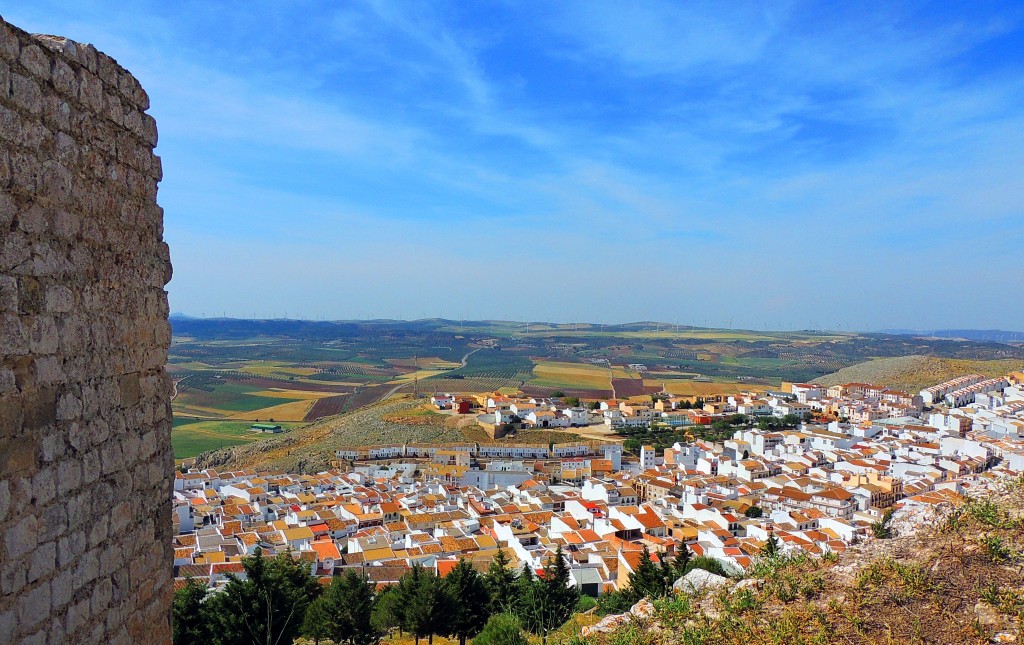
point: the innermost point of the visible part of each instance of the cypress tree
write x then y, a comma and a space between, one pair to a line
387, 610
501, 582
190, 620
471, 601
553, 599
771, 548
648, 579
430, 609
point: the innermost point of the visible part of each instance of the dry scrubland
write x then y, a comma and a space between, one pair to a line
957, 580
913, 373
396, 420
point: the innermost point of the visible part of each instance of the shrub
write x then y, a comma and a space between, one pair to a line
502, 629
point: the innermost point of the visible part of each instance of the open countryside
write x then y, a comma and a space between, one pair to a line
231, 373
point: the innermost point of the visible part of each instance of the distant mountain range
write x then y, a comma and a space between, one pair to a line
991, 335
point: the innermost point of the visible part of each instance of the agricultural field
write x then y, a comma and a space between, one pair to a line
695, 388
201, 395
190, 437
301, 371
559, 375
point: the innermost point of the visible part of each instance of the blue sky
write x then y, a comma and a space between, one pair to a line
779, 165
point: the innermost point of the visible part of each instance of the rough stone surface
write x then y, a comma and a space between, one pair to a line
699, 580
83, 342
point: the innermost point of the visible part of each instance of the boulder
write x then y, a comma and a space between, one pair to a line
700, 580
642, 609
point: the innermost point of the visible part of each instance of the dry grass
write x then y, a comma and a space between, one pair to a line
294, 411
274, 369
419, 374
571, 375
914, 373
958, 582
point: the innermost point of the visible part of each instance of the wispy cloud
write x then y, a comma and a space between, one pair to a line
376, 148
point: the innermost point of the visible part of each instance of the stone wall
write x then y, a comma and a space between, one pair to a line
85, 452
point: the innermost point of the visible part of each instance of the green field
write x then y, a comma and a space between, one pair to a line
227, 397
189, 437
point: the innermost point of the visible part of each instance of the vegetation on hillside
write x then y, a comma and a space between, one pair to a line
914, 373
957, 581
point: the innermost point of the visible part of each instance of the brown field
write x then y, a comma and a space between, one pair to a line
326, 407
692, 388
627, 387
535, 390
302, 386
294, 411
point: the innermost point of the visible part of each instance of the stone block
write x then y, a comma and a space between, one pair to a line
40, 407
10, 124
43, 337
5, 500
35, 61
8, 626
25, 94
88, 569
42, 562
20, 538
101, 594
53, 523
18, 456
34, 606
44, 487
13, 335
59, 299
9, 44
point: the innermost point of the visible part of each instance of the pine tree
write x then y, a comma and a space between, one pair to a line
317, 624
681, 563
430, 608
647, 580
387, 611
501, 582
268, 606
349, 603
771, 548
552, 599
471, 601
525, 597
190, 620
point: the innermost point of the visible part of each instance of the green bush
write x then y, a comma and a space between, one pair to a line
502, 629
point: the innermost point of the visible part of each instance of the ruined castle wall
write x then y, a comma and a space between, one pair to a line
85, 453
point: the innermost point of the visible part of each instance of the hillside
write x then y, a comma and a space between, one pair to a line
956, 580
913, 373
395, 420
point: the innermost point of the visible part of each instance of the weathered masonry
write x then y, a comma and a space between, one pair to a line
85, 422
